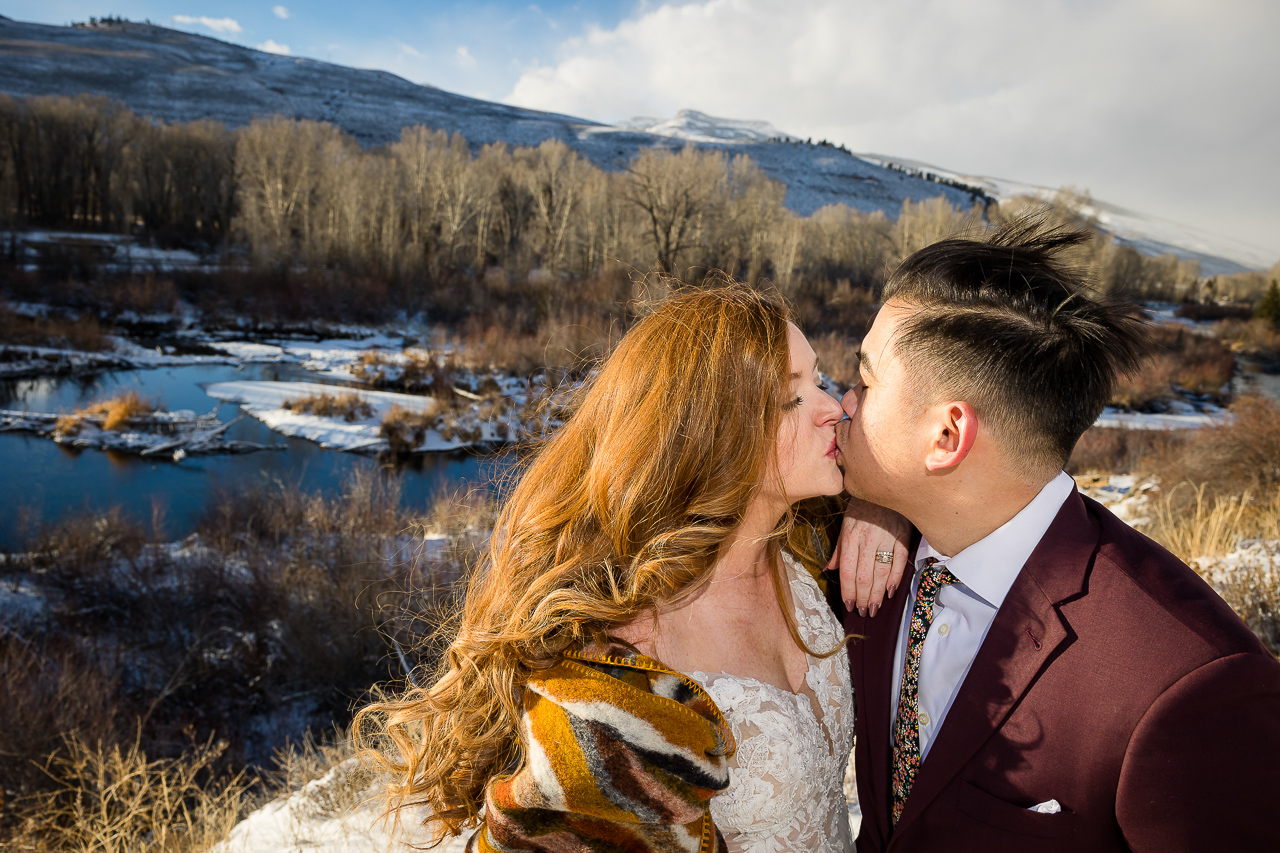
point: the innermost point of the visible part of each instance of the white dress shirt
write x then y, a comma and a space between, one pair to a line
964, 611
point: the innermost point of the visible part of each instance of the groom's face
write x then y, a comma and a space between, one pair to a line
882, 443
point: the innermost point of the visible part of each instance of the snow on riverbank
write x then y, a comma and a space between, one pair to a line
265, 401
177, 434
1182, 418
331, 357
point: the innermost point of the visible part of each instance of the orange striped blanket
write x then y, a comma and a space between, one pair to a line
620, 753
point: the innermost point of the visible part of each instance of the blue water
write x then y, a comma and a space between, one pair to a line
43, 482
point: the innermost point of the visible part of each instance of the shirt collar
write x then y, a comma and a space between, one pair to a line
989, 566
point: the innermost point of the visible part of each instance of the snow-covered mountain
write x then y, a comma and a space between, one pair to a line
1218, 254
176, 76
694, 126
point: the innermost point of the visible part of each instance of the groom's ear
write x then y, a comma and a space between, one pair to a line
955, 428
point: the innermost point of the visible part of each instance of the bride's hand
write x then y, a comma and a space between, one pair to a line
866, 529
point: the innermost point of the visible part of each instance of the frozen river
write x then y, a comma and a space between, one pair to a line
44, 481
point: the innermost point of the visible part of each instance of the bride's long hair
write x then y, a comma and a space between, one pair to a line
624, 510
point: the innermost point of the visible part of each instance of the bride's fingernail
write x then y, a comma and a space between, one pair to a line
874, 608
892, 590
862, 611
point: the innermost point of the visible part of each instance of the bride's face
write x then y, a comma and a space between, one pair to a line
807, 435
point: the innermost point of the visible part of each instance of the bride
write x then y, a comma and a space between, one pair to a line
645, 659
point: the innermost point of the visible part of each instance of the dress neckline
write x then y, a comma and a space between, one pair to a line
793, 577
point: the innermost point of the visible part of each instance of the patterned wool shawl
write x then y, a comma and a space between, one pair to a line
620, 753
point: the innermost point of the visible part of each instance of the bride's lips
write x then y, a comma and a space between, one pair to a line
833, 449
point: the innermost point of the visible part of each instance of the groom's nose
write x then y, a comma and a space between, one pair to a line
849, 402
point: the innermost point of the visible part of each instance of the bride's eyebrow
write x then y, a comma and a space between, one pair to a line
811, 370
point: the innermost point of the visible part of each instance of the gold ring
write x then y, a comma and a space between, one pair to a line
884, 556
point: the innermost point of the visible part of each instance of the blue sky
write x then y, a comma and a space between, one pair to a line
1168, 107
475, 48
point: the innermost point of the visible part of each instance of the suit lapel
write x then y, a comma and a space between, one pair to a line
1026, 634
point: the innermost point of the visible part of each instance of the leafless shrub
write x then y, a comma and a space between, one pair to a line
1242, 455
837, 357
1186, 360
350, 406
1125, 451
406, 429
1255, 337
110, 798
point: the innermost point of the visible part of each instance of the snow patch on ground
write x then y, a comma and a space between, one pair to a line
1256, 559
1128, 498
264, 400
339, 812
1181, 418
321, 356
22, 602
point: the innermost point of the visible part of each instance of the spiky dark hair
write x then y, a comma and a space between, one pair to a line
1008, 326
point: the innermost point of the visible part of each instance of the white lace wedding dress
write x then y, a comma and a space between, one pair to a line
786, 781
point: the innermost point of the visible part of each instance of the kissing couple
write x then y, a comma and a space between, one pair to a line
651, 657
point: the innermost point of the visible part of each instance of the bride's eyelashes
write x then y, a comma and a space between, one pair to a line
820, 384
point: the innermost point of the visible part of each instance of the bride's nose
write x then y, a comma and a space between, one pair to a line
830, 413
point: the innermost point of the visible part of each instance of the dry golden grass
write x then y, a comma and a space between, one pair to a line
113, 798
85, 333
1212, 527
1220, 488
350, 406
406, 429
116, 413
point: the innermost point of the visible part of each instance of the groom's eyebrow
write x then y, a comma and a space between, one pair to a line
864, 363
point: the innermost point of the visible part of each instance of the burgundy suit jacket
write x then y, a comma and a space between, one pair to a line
1113, 680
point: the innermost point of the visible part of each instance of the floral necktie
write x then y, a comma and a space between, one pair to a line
906, 728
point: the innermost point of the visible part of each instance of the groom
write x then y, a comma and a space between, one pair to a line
1046, 678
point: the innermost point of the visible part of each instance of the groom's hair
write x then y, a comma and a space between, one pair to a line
1006, 325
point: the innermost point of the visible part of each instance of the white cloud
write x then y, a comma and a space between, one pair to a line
218, 25
281, 12
409, 49
1161, 105
464, 57
270, 46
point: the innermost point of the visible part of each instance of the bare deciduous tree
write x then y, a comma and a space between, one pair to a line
674, 190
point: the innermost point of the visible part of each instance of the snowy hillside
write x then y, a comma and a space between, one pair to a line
176, 77
1218, 255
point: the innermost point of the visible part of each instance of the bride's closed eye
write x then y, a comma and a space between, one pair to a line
820, 384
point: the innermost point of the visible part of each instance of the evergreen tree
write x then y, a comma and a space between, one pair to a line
1269, 307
